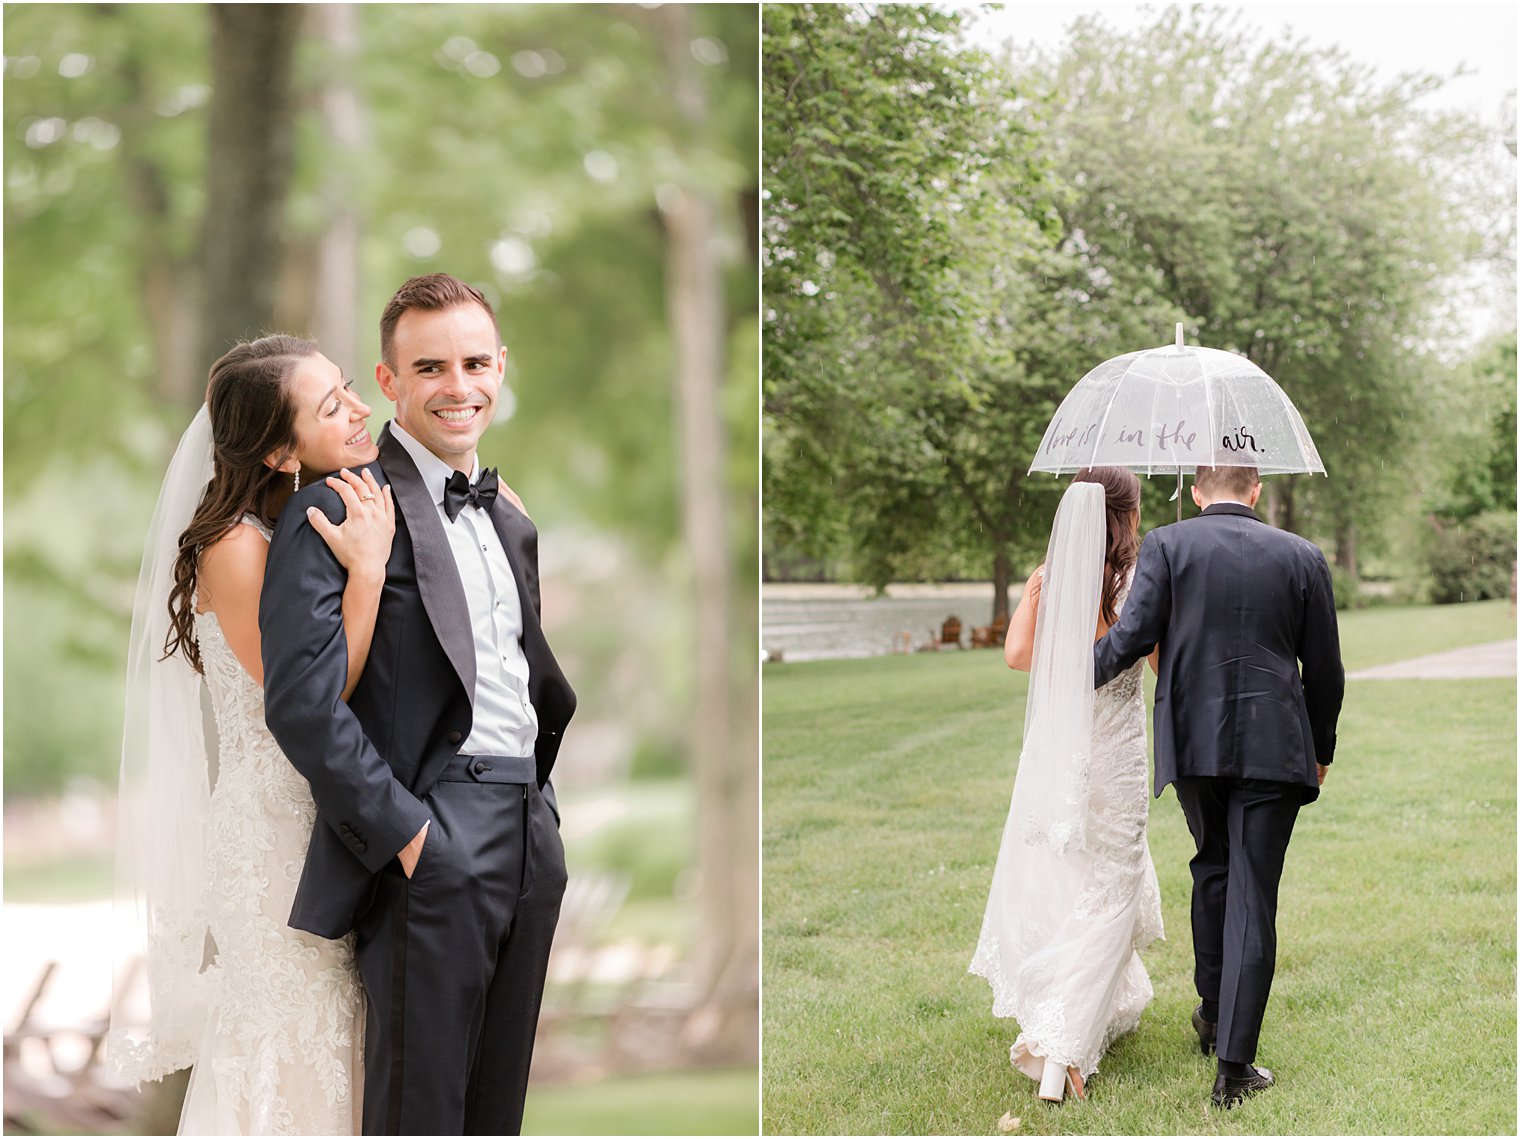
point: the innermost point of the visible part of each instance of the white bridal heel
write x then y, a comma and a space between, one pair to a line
1055, 1079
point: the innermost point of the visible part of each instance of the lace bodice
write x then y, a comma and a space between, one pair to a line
1061, 936
282, 1051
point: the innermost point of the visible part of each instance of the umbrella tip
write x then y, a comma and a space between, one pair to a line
1179, 334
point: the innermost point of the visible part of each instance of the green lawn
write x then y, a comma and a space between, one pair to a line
1382, 635
886, 788
58, 880
722, 1102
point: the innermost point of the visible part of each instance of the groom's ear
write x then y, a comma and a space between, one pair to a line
386, 379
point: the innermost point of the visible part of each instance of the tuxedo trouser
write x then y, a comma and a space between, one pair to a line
453, 959
1241, 829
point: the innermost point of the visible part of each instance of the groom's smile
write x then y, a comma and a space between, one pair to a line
447, 371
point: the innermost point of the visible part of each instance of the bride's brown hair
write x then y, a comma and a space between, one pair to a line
248, 398
1121, 497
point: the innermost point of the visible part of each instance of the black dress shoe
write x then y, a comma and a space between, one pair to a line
1228, 1091
1207, 1031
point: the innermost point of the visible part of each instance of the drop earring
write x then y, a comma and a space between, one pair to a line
298, 481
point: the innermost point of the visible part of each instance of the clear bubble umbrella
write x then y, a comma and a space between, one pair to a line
1177, 408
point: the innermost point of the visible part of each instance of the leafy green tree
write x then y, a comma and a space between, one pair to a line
1481, 443
904, 197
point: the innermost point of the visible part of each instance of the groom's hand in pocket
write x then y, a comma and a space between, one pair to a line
412, 851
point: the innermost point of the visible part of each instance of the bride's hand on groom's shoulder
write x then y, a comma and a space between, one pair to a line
362, 541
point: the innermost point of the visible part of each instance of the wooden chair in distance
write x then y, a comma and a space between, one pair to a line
990, 636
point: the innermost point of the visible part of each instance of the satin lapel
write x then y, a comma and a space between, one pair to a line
519, 538
438, 578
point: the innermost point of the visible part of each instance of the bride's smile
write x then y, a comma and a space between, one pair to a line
331, 423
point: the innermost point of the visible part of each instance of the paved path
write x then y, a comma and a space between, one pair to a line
1476, 662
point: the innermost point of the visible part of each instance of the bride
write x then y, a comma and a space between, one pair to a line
1074, 896
211, 839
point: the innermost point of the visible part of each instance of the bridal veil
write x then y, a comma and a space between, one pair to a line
1050, 792
161, 869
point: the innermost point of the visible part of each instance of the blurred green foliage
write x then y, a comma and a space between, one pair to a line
1473, 560
1481, 475
1469, 540
723, 1101
524, 148
648, 838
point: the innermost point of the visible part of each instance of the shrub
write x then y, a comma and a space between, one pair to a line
1472, 560
1347, 593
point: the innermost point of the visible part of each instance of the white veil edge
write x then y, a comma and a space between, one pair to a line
162, 808
1051, 788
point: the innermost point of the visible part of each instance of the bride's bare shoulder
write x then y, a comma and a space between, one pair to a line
231, 568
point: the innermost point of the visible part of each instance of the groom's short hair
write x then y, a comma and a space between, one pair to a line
1217, 482
434, 292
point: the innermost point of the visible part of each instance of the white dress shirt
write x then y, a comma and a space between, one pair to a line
505, 720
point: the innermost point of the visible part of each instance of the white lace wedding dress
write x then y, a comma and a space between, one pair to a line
282, 1050
1060, 943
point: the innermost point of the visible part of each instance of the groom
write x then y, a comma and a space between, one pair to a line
437, 833
1244, 736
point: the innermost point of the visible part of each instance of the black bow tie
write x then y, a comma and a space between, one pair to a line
458, 491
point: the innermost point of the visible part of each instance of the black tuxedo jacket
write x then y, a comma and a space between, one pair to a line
1236, 605
371, 759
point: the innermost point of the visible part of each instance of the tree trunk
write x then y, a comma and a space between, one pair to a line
1269, 506
1345, 549
1287, 515
171, 296
335, 307
725, 1023
248, 166
169, 284
1001, 573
